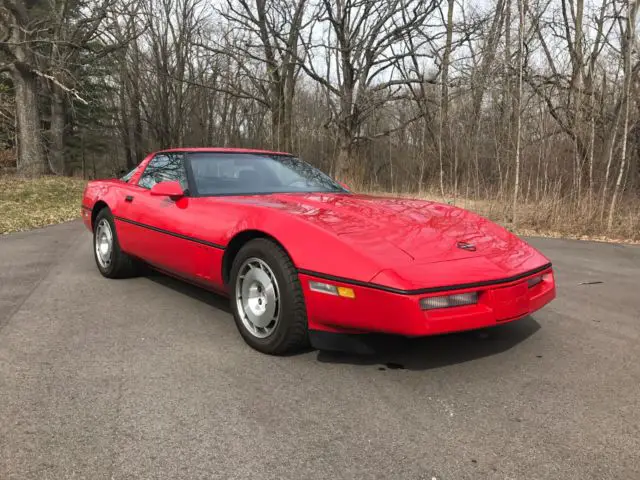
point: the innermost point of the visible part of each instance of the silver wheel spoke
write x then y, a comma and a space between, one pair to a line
104, 243
257, 298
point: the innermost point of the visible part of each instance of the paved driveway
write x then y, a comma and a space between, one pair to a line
148, 378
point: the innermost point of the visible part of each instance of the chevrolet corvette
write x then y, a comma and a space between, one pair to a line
302, 258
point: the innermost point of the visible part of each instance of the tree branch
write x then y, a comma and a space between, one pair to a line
54, 80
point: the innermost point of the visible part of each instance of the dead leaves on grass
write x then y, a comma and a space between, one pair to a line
32, 203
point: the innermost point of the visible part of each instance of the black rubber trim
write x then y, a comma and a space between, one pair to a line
421, 291
173, 234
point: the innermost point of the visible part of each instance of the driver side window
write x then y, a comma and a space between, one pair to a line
164, 167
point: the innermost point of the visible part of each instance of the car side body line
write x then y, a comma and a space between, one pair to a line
173, 234
421, 291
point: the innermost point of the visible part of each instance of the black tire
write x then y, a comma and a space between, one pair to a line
291, 331
121, 264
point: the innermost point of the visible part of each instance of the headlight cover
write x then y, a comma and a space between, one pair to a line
532, 282
456, 300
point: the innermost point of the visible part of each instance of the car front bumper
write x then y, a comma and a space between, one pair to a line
382, 311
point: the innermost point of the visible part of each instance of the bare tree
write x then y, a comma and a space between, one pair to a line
518, 110
365, 42
628, 42
266, 33
20, 29
75, 28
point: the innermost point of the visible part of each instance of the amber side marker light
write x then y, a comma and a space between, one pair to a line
330, 289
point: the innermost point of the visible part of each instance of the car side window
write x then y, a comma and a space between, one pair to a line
164, 167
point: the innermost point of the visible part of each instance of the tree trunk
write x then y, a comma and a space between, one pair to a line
31, 159
628, 46
83, 157
444, 134
344, 160
518, 111
279, 136
287, 121
125, 131
136, 109
57, 131
507, 114
138, 147
486, 64
445, 67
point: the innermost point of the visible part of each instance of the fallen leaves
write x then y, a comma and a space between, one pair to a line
30, 203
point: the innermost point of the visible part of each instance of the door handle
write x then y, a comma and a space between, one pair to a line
128, 198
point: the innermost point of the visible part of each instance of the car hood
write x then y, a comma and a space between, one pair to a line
404, 234
427, 231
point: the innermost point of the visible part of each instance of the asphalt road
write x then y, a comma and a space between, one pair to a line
148, 378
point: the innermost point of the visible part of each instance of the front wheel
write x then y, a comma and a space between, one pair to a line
266, 299
110, 260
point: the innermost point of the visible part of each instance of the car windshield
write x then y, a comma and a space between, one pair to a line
253, 173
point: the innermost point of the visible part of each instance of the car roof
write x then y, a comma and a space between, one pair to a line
222, 150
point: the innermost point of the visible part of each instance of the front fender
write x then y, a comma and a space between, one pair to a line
314, 249
97, 192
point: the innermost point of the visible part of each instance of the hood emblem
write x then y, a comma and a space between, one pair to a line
466, 246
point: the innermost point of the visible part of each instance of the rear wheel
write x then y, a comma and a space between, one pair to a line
110, 260
267, 300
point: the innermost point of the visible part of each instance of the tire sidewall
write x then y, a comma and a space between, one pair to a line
267, 255
115, 251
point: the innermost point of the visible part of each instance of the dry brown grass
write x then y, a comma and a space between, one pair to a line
32, 203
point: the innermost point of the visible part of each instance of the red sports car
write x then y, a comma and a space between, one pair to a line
303, 258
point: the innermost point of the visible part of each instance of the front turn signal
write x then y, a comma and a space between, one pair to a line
330, 289
346, 292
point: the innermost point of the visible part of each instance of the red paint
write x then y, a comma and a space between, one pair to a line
398, 243
222, 150
380, 311
167, 189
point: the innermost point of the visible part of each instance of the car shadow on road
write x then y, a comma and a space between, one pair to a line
391, 352
197, 293
395, 353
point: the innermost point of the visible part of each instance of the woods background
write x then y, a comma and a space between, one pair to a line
526, 110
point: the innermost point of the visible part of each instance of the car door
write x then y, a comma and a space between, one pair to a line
153, 221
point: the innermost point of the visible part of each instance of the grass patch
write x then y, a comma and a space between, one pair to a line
31, 203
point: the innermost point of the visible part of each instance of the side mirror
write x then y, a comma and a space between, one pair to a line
170, 188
